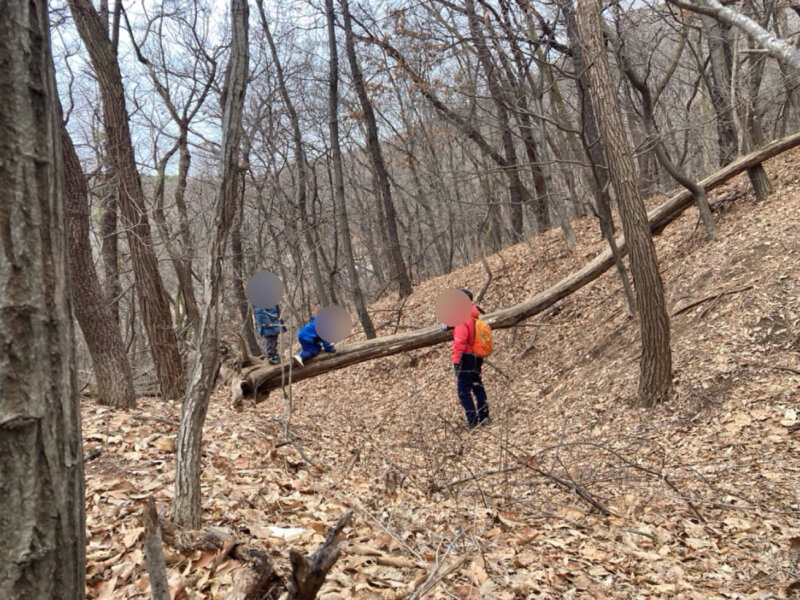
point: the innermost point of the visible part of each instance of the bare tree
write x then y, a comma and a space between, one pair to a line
301, 177
776, 47
153, 299
516, 191
655, 367
197, 77
593, 146
657, 143
112, 370
186, 508
342, 222
374, 147
41, 495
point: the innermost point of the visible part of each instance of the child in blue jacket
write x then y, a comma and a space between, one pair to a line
269, 324
310, 342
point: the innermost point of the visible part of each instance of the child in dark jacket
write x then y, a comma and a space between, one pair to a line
269, 324
310, 342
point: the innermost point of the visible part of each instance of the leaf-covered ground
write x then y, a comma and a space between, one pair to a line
573, 492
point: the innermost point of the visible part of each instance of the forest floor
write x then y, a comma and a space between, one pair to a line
700, 495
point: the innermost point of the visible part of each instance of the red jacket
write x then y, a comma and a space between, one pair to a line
463, 337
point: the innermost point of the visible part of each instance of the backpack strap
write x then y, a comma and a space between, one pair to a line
471, 342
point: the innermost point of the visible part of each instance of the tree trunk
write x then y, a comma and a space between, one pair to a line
373, 145
593, 146
42, 525
753, 134
109, 248
112, 370
187, 244
719, 48
180, 254
186, 508
541, 203
153, 299
239, 283
367, 229
342, 222
789, 75
655, 368
180, 261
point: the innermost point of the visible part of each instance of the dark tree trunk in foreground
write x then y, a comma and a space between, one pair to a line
153, 299
342, 223
186, 508
655, 367
374, 147
112, 371
42, 554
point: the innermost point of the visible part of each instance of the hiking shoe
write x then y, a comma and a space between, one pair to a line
275, 360
298, 359
487, 421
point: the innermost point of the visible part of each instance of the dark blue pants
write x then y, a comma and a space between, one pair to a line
270, 344
470, 389
308, 348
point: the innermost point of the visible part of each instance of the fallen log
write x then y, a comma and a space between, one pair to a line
257, 380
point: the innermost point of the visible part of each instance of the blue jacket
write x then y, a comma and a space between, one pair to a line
268, 320
308, 334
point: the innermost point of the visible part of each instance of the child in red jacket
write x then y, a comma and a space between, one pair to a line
467, 368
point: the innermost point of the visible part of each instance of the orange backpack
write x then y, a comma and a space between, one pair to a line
482, 342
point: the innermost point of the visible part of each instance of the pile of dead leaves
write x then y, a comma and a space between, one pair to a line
572, 493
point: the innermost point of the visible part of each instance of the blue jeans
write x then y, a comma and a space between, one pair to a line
270, 344
470, 389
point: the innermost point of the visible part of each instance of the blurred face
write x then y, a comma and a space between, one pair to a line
333, 324
453, 307
264, 289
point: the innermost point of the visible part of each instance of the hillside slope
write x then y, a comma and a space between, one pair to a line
572, 492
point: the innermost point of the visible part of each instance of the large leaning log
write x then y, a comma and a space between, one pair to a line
256, 381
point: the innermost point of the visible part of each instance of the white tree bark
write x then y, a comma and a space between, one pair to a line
777, 48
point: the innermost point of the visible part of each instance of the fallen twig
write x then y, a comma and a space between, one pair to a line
496, 368
530, 346
156, 418
434, 577
715, 296
308, 573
